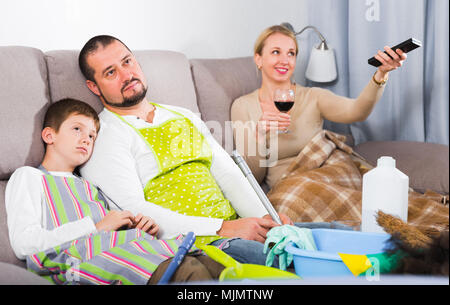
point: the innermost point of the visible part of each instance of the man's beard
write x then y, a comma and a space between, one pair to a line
128, 101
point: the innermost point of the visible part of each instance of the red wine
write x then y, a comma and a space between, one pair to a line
284, 106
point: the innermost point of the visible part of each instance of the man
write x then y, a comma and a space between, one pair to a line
161, 161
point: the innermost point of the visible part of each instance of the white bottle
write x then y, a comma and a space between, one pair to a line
384, 188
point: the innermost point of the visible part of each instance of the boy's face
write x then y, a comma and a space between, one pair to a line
72, 145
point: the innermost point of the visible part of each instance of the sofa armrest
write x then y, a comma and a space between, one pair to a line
426, 164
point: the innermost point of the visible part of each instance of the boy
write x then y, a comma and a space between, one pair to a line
61, 225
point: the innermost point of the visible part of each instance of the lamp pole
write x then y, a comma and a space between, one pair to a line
323, 44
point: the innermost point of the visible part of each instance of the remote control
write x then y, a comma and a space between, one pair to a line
405, 46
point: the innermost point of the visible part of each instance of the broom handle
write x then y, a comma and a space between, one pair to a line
259, 191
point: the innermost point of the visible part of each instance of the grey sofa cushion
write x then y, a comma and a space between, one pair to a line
13, 275
168, 76
426, 164
218, 82
6, 253
23, 98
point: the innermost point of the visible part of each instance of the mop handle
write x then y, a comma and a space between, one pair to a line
262, 196
187, 243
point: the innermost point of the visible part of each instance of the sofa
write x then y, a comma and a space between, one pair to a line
30, 80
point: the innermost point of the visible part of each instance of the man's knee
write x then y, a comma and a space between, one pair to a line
245, 251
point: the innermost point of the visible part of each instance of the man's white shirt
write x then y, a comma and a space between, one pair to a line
122, 164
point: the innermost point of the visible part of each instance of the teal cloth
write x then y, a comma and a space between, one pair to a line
279, 237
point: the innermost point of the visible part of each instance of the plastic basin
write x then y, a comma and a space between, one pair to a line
326, 262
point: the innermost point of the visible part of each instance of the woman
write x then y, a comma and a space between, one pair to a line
275, 55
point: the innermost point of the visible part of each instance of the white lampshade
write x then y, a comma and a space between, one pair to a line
322, 65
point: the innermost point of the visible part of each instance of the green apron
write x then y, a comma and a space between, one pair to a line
184, 183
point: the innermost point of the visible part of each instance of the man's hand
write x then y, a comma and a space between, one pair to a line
284, 219
251, 228
145, 224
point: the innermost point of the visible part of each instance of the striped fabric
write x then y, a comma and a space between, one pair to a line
103, 258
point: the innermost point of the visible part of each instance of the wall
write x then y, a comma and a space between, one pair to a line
197, 28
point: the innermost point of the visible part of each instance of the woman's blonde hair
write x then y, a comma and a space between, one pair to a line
259, 44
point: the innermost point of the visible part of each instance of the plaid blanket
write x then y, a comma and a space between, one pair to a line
324, 183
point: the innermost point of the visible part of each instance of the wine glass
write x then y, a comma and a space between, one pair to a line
284, 100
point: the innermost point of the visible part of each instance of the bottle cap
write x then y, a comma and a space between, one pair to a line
386, 161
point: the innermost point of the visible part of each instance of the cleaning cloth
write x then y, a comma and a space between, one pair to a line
279, 237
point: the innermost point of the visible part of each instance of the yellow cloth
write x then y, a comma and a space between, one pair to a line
357, 264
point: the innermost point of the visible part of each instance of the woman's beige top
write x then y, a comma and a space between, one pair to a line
269, 158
